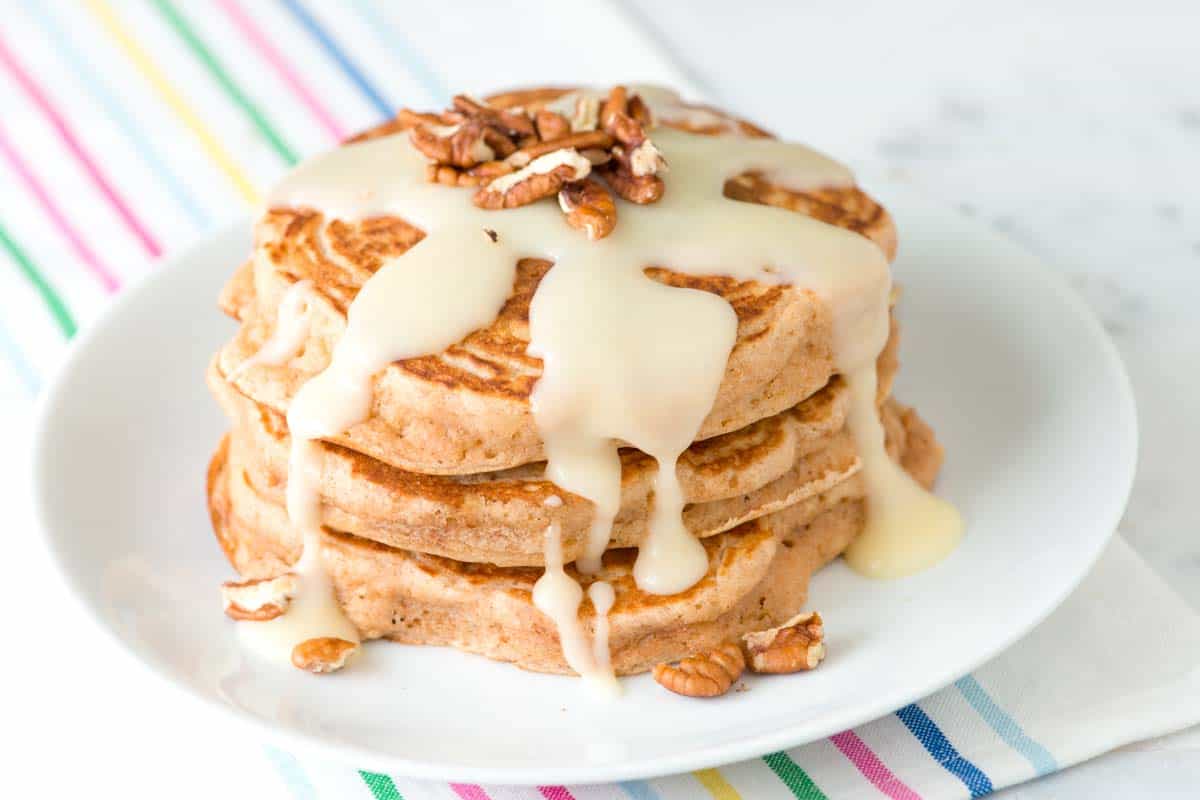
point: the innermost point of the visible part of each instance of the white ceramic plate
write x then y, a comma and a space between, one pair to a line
1019, 380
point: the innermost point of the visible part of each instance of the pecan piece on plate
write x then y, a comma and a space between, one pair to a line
322, 655
258, 600
709, 675
795, 646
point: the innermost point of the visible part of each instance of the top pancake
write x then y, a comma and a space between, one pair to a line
466, 409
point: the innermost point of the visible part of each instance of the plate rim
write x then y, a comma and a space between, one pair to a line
360, 757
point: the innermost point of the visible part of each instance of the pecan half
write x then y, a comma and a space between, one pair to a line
795, 646
543, 177
709, 675
258, 600
319, 656
589, 208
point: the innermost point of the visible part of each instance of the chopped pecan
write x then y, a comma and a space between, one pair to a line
447, 175
588, 140
525, 97
518, 151
326, 654
641, 189
501, 145
587, 113
589, 208
637, 160
581, 109
258, 600
475, 176
516, 125
543, 177
490, 170
615, 119
709, 675
616, 103
551, 125
596, 156
794, 646
638, 109
406, 118
461, 145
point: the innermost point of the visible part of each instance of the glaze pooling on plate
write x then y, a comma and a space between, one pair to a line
625, 358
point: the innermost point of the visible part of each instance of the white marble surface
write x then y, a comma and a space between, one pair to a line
1073, 128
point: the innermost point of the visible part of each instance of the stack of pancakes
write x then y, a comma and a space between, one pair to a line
434, 509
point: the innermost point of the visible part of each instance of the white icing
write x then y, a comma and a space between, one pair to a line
292, 321
603, 596
666, 106
314, 611
557, 595
907, 528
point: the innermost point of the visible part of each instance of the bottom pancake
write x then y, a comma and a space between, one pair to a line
758, 576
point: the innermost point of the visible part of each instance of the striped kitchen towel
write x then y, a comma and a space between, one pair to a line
132, 128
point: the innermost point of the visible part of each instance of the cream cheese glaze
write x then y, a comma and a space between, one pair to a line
625, 358
291, 329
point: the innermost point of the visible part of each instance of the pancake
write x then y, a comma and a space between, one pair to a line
758, 576
500, 518
467, 409
418, 490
